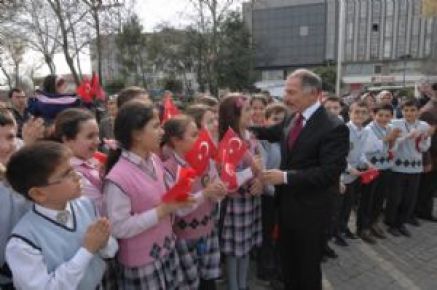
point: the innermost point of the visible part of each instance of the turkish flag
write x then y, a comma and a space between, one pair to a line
181, 189
96, 90
170, 109
100, 157
202, 151
229, 176
231, 148
369, 175
84, 90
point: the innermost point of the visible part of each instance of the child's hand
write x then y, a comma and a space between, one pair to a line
429, 132
393, 135
255, 187
97, 235
33, 130
414, 134
354, 172
164, 209
257, 164
215, 190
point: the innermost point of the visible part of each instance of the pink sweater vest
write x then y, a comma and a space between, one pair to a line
90, 171
200, 222
145, 194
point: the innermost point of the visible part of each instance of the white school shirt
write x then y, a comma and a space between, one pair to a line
20, 255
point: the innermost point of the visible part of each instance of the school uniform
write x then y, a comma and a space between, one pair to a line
407, 167
147, 257
356, 160
90, 173
197, 240
90, 179
378, 153
48, 245
13, 207
241, 221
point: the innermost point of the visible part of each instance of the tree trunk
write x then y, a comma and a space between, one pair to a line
98, 45
56, 6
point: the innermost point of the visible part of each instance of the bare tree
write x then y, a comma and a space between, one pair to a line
210, 14
38, 24
11, 58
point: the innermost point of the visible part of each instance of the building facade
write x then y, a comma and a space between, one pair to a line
386, 42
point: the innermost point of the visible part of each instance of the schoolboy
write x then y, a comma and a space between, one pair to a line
57, 244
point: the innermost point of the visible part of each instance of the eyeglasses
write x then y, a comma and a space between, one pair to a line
70, 173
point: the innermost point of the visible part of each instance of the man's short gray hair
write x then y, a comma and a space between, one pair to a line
309, 80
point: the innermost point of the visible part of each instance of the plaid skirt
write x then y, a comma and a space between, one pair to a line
109, 281
200, 259
242, 226
163, 274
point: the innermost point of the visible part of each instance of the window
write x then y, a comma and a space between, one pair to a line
377, 69
375, 27
303, 31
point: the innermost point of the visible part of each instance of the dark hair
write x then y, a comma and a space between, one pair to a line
207, 100
175, 127
6, 118
131, 117
275, 108
361, 104
230, 113
49, 84
434, 86
383, 107
32, 165
67, 123
197, 111
128, 94
409, 102
333, 99
14, 90
260, 98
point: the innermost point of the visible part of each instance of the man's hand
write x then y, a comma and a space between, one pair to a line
273, 176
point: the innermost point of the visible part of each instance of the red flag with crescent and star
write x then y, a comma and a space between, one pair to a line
202, 151
231, 148
181, 189
230, 151
84, 90
96, 90
170, 109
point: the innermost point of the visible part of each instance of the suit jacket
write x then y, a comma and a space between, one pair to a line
313, 167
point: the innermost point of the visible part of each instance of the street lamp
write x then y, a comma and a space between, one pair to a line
405, 57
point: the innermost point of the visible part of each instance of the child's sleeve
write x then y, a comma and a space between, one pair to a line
110, 249
125, 224
29, 270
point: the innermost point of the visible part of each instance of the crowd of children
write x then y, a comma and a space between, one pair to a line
72, 221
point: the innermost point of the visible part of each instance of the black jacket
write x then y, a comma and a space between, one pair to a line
313, 167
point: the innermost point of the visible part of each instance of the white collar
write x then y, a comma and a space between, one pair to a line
308, 112
179, 159
355, 127
52, 213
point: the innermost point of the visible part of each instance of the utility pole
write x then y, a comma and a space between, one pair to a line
340, 44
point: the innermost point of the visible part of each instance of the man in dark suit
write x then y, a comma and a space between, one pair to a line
314, 148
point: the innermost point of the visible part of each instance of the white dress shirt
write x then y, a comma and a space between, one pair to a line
306, 114
25, 259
